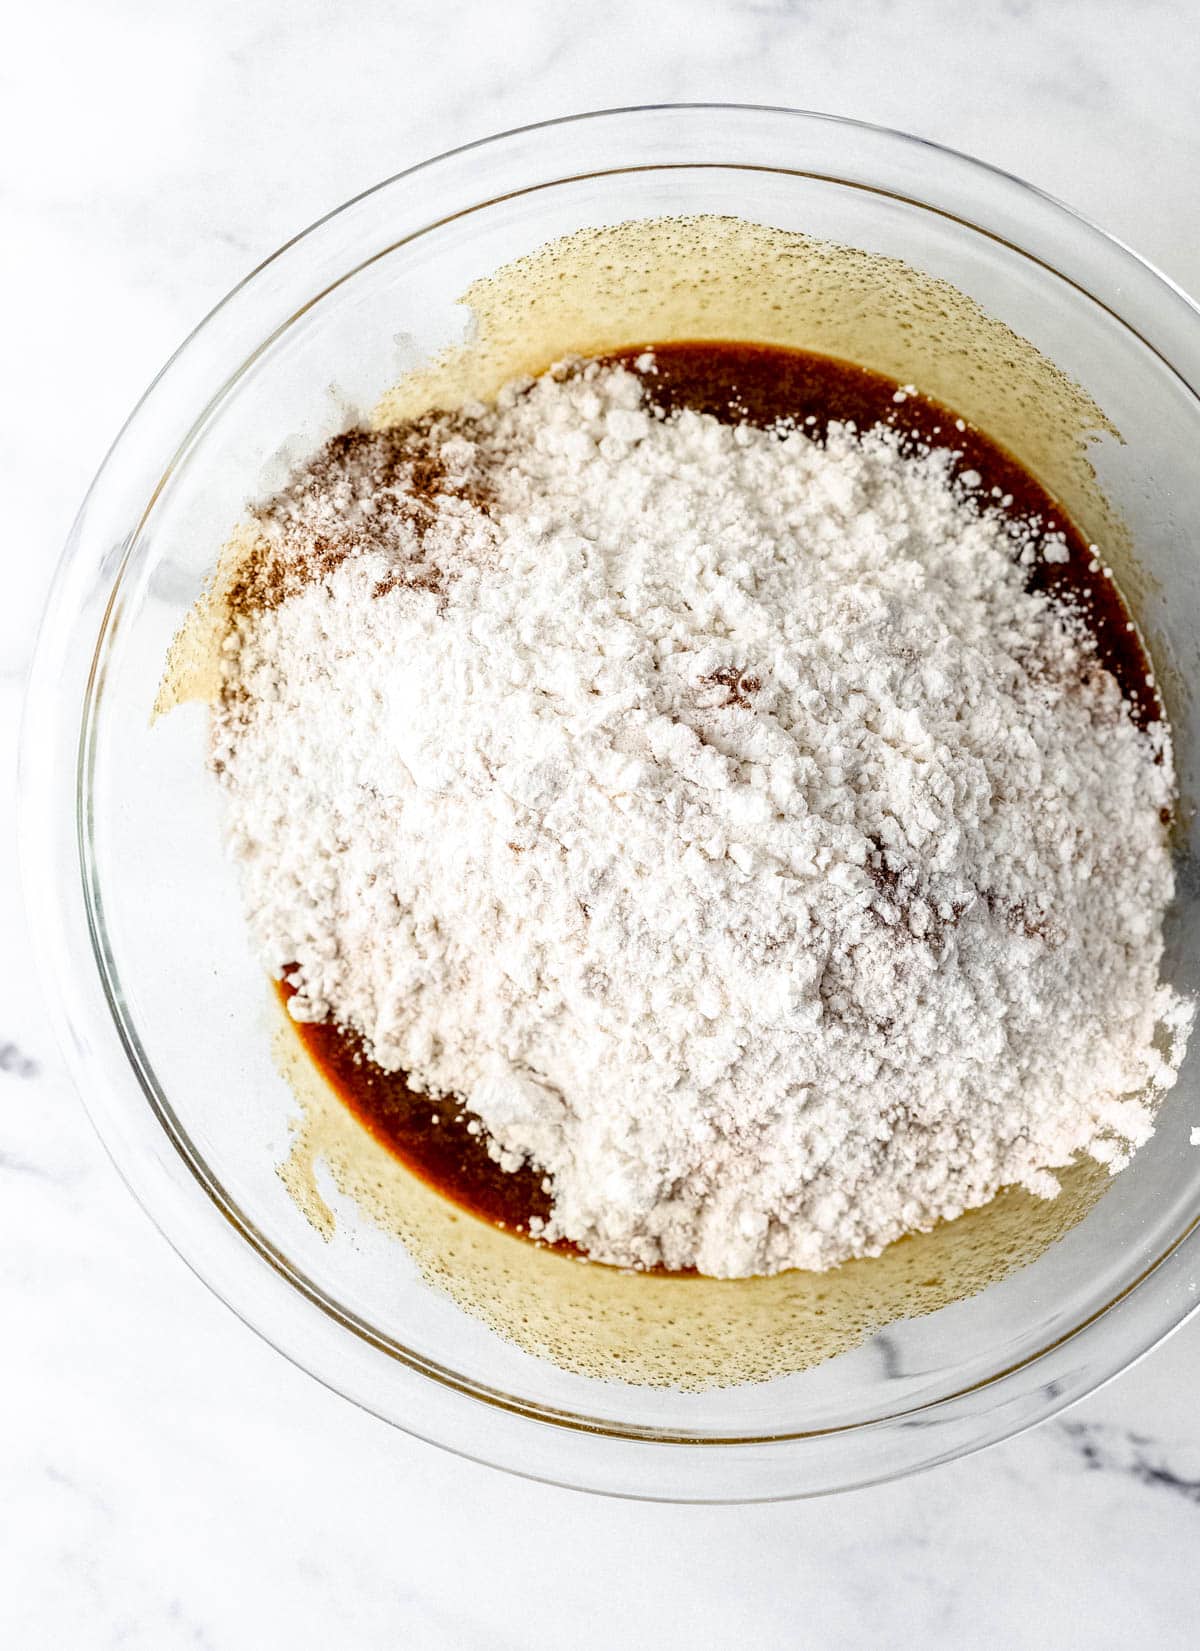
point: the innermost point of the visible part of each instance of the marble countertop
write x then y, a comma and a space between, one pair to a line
166, 1480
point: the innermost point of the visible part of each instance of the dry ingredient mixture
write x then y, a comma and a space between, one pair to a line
716, 813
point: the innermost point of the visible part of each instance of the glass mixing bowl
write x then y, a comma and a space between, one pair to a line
135, 908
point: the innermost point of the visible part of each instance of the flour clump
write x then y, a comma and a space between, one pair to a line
710, 809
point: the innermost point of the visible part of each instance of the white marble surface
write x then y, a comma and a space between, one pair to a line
167, 1481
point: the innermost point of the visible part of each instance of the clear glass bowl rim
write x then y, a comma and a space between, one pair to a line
172, 1189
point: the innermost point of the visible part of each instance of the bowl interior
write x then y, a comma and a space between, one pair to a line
185, 988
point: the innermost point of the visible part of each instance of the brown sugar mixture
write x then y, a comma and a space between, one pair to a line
433, 1136
761, 385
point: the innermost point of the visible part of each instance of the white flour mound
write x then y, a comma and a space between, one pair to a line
715, 814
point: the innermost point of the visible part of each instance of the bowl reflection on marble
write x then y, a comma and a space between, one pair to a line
819, 232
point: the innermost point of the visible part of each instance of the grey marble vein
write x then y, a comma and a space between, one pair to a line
15, 1063
1105, 1449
